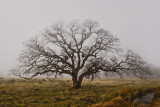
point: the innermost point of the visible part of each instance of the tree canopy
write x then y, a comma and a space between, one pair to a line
79, 50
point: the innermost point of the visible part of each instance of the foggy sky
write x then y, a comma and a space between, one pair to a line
135, 22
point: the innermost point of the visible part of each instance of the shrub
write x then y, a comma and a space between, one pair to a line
126, 93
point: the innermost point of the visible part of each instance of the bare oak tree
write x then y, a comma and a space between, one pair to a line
79, 50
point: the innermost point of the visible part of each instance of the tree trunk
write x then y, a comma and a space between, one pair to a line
76, 83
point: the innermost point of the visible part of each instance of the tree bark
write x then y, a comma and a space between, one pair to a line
76, 82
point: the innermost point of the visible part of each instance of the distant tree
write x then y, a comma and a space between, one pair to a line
79, 50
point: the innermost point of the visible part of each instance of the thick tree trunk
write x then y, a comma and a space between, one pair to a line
76, 83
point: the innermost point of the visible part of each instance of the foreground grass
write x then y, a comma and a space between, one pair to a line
59, 93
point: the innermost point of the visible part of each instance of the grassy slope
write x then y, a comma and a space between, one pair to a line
59, 93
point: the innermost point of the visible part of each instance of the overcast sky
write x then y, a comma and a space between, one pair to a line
135, 22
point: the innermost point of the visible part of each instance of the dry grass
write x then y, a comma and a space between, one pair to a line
59, 93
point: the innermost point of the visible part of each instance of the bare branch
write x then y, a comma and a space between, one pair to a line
78, 49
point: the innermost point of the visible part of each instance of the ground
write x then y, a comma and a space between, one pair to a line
59, 92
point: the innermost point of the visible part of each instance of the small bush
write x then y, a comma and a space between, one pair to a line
126, 93
157, 93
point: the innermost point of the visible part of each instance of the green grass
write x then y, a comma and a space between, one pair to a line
59, 93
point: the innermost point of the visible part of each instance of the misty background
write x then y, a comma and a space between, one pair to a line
135, 22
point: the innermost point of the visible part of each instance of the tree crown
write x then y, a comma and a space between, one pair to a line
78, 49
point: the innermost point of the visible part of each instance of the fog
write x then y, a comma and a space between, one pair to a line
135, 22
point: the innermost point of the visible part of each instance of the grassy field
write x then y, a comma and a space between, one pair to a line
59, 93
